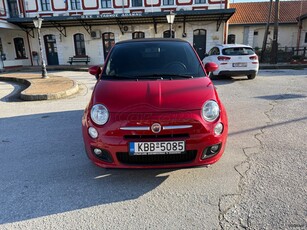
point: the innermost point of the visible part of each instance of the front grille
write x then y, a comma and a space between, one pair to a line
157, 136
184, 157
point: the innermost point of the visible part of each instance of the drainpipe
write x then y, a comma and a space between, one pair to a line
300, 25
30, 50
299, 33
226, 24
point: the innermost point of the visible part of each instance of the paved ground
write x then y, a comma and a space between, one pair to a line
37, 88
260, 183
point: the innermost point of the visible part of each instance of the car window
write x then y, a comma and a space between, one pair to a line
214, 51
238, 51
143, 59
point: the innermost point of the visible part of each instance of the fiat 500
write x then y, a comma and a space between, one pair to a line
154, 106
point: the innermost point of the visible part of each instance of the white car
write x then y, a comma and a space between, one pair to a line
233, 60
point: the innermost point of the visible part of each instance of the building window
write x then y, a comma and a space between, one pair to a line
231, 39
45, 5
20, 48
137, 3
13, 8
108, 40
106, 4
200, 1
306, 37
168, 2
167, 34
75, 4
136, 35
79, 45
255, 33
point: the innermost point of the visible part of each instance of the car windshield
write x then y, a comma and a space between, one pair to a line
235, 51
152, 60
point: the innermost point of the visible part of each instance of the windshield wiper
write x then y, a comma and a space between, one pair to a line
164, 75
119, 77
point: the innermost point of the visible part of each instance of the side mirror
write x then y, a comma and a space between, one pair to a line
95, 70
211, 66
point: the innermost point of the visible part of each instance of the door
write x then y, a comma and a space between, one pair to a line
51, 50
13, 8
108, 41
199, 42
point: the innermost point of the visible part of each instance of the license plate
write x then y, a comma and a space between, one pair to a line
240, 64
156, 148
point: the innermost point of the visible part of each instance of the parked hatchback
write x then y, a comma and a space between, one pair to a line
154, 107
233, 60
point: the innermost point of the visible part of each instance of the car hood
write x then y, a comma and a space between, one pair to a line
153, 96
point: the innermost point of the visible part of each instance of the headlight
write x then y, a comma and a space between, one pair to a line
99, 114
210, 111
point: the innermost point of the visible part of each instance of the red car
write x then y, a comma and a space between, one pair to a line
154, 107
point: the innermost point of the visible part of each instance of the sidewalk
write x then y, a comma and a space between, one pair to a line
53, 87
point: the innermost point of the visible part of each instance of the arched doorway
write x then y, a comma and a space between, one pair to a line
51, 50
199, 42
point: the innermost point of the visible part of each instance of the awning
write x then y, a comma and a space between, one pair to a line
87, 21
7, 25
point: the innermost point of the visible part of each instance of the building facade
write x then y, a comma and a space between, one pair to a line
249, 28
89, 28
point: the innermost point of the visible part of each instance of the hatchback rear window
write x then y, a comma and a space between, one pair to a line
235, 51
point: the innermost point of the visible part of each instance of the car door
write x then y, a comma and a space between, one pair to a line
212, 55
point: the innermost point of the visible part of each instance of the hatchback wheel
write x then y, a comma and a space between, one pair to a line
212, 76
251, 76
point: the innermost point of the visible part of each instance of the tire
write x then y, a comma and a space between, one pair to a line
212, 76
251, 76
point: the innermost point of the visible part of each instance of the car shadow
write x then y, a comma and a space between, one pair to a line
278, 97
44, 169
224, 80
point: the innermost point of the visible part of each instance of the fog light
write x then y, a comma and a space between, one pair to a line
92, 132
98, 152
218, 129
211, 151
103, 155
214, 149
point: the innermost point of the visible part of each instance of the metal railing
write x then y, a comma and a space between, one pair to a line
284, 54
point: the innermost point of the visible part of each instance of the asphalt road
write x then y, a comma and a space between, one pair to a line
47, 182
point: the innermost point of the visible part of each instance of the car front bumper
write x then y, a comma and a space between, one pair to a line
114, 141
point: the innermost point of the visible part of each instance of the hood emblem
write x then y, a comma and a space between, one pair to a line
156, 128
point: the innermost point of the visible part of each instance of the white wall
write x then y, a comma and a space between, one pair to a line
287, 35
7, 38
94, 47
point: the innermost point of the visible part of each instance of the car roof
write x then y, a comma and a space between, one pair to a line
152, 40
233, 45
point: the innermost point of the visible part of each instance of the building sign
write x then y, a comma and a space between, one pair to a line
111, 15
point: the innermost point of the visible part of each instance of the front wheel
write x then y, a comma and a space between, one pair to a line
251, 76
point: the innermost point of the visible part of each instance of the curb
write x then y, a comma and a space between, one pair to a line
50, 96
45, 96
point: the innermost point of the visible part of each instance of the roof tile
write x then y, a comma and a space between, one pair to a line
258, 12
